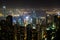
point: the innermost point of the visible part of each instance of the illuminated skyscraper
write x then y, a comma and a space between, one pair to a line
4, 7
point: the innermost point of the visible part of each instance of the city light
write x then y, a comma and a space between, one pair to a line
47, 28
14, 21
1, 14
58, 13
4, 7
42, 17
31, 19
15, 15
48, 15
53, 26
34, 27
27, 17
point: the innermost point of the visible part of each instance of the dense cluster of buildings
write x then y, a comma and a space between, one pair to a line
29, 24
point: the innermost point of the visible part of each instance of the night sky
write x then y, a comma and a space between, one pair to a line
30, 3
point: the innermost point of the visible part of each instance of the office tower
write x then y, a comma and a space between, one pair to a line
29, 32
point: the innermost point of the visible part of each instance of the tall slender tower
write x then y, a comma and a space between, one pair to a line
4, 7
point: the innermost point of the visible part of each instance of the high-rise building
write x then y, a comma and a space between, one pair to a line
29, 32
